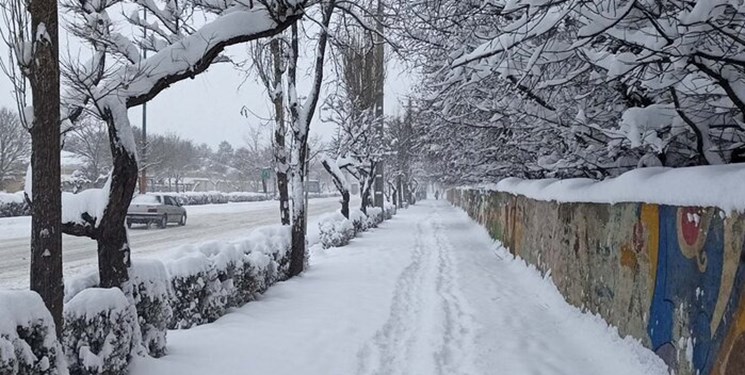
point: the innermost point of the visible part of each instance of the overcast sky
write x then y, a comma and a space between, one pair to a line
207, 109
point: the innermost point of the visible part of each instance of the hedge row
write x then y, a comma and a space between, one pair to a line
13, 205
106, 328
335, 230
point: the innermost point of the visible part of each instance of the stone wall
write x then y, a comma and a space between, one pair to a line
672, 277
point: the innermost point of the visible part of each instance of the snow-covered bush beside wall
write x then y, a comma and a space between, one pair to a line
101, 332
13, 205
151, 292
335, 230
28, 342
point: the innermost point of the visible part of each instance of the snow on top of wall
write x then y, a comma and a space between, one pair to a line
720, 186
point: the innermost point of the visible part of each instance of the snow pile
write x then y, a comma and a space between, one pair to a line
151, 292
13, 205
335, 230
101, 333
705, 186
28, 342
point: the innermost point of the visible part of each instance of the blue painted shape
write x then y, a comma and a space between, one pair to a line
679, 281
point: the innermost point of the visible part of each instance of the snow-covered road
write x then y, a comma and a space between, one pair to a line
208, 222
426, 293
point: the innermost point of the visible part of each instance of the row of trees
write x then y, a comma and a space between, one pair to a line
15, 147
170, 157
100, 87
114, 77
575, 88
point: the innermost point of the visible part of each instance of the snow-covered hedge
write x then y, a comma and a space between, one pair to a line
209, 278
151, 292
13, 205
335, 230
198, 296
390, 210
359, 220
101, 332
374, 217
216, 197
28, 342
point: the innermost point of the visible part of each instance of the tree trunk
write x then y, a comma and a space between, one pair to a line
46, 221
340, 183
111, 235
280, 151
299, 216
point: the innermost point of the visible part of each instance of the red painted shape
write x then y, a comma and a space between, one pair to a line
688, 227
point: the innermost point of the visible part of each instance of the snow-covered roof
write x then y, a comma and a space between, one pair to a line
720, 186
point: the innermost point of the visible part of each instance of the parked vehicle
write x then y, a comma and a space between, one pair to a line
156, 209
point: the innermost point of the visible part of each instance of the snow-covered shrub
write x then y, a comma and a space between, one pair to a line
101, 333
28, 342
242, 196
151, 292
390, 210
335, 230
198, 296
256, 275
229, 263
374, 217
359, 220
13, 205
275, 242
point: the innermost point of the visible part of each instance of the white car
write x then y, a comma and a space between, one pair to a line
159, 209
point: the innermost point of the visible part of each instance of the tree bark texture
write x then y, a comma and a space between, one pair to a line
46, 212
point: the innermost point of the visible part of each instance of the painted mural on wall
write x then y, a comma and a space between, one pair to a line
673, 277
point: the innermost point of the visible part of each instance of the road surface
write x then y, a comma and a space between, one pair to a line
205, 223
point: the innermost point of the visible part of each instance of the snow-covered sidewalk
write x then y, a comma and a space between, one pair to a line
426, 293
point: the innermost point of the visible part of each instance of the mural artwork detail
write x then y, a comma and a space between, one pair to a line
673, 277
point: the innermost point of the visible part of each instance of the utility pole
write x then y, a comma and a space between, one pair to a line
143, 157
379, 184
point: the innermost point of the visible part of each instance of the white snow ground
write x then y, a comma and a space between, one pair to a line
427, 293
205, 223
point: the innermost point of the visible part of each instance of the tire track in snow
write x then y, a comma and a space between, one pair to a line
428, 330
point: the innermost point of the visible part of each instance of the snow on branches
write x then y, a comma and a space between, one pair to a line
578, 88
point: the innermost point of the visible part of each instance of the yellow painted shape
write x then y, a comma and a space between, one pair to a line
732, 250
720, 367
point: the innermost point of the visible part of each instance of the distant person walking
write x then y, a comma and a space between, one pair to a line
437, 194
